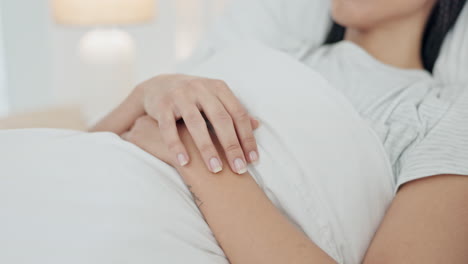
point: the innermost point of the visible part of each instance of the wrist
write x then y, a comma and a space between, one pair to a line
195, 171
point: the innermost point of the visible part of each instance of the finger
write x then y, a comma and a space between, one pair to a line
198, 129
242, 123
163, 112
170, 136
225, 131
254, 123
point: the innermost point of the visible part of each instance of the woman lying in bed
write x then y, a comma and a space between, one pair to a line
337, 138
383, 67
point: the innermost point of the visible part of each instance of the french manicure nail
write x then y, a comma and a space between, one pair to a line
253, 156
240, 166
182, 159
215, 165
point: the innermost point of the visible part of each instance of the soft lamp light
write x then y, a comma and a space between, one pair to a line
107, 53
103, 12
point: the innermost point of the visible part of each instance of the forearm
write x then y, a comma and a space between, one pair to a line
247, 225
121, 119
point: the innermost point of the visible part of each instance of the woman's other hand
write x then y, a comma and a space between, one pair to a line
168, 98
145, 134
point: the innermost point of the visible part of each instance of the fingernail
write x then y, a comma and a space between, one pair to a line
182, 159
215, 165
240, 166
253, 156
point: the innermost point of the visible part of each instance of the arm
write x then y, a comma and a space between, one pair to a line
247, 225
426, 223
122, 118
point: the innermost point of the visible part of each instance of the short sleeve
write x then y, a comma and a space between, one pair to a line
443, 149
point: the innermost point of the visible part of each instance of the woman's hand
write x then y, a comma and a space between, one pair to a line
168, 98
145, 134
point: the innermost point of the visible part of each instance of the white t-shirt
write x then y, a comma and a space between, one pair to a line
423, 126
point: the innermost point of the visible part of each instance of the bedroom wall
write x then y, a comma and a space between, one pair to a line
3, 86
27, 42
41, 60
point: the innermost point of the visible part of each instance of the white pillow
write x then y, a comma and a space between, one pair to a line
73, 197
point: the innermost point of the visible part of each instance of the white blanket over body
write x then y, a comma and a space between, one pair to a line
72, 197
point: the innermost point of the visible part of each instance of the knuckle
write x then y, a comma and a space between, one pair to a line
240, 114
222, 116
232, 147
159, 105
193, 84
165, 123
249, 141
203, 90
221, 85
177, 93
197, 87
194, 119
164, 102
206, 148
173, 145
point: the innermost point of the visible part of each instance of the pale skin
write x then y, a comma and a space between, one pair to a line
426, 223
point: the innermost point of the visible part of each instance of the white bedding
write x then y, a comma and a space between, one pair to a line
72, 197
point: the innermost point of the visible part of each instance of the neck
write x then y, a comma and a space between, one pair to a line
396, 43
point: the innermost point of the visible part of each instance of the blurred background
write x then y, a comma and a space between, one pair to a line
56, 53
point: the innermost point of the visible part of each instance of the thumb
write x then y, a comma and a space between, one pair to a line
254, 122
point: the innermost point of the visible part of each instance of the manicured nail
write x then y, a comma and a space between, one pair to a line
240, 166
215, 165
253, 156
182, 159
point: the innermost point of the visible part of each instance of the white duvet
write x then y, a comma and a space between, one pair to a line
72, 197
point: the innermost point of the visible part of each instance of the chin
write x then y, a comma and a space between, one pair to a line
351, 14
365, 14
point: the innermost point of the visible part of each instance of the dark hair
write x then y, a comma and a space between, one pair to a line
443, 18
